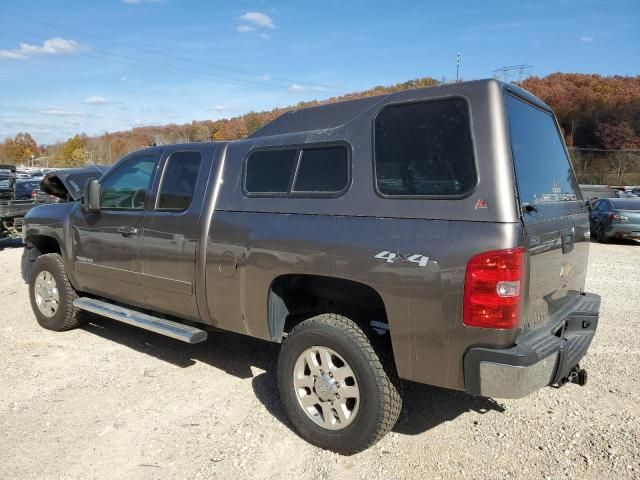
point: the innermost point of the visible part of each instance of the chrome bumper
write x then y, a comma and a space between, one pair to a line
539, 358
508, 381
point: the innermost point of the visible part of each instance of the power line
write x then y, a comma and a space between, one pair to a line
513, 73
180, 71
146, 64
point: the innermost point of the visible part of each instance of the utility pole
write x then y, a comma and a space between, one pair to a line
458, 59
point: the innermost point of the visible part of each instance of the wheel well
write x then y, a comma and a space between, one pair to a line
44, 244
294, 298
37, 245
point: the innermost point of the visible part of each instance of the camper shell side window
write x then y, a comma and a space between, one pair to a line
298, 171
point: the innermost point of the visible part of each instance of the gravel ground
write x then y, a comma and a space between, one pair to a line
111, 401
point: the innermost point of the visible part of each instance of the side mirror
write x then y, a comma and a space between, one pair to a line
91, 197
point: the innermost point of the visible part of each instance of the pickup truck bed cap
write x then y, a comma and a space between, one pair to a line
333, 115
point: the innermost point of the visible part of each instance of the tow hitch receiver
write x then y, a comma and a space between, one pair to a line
576, 375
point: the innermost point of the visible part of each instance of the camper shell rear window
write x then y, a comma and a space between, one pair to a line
545, 179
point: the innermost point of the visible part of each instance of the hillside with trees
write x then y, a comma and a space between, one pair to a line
594, 111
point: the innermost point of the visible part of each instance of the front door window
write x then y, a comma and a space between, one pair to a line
127, 187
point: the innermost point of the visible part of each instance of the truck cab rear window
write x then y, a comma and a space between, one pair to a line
424, 149
295, 171
179, 181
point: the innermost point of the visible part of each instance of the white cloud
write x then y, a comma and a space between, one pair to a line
52, 46
586, 39
60, 112
219, 108
96, 100
258, 19
265, 35
126, 79
297, 88
244, 28
266, 77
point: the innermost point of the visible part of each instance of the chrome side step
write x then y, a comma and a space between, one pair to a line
142, 320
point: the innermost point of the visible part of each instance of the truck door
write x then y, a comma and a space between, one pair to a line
555, 219
107, 243
170, 231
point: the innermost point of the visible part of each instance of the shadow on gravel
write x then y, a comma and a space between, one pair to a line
620, 241
424, 407
231, 352
10, 243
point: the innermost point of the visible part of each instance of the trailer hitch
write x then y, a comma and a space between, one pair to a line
577, 375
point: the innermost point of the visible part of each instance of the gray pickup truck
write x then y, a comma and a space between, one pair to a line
434, 235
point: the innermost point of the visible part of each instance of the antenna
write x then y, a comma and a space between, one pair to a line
513, 73
458, 60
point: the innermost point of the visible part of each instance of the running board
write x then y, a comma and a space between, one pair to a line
164, 327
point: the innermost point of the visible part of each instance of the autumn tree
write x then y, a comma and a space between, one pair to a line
592, 109
200, 132
73, 152
19, 149
253, 121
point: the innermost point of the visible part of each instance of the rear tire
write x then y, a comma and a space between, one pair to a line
52, 295
601, 236
370, 404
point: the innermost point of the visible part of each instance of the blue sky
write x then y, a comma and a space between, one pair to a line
73, 66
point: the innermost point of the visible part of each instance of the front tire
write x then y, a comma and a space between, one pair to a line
337, 391
52, 295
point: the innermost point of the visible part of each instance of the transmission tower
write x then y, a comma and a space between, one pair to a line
513, 73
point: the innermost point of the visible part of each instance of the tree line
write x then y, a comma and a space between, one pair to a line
594, 111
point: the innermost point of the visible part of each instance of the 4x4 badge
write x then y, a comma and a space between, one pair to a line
391, 257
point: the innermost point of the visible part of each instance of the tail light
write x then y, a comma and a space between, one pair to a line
617, 217
492, 289
34, 194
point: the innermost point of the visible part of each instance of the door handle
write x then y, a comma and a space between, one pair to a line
127, 231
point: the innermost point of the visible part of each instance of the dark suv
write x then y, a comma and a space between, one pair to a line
435, 235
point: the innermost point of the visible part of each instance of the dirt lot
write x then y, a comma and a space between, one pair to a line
111, 401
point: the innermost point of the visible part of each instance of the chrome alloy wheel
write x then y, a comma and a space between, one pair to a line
326, 388
46, 293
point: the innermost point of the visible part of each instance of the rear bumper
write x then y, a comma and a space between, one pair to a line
622, 230
541, 357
